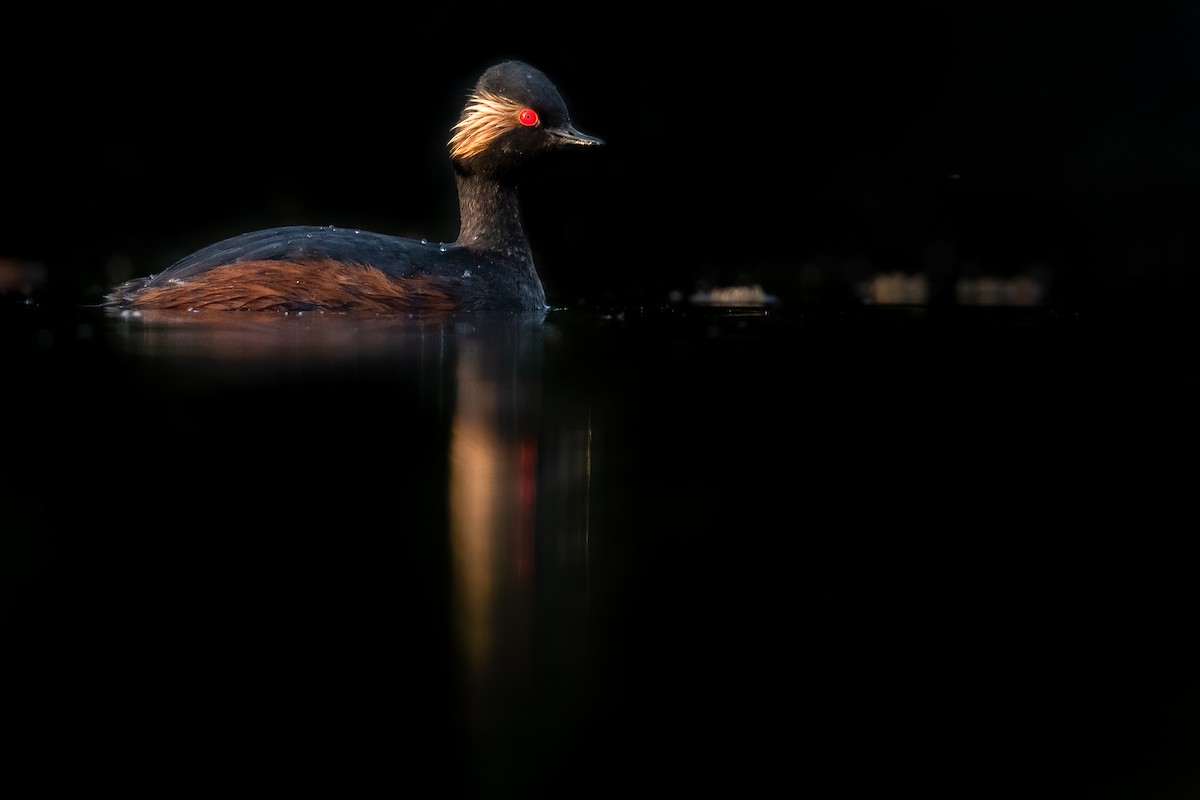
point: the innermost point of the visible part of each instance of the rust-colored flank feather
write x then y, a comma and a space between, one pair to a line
486, 117
294, 285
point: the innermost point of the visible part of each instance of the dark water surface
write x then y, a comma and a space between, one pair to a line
830, 553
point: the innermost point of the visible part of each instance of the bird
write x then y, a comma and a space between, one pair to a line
511, 118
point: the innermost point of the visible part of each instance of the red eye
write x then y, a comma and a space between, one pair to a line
528, 117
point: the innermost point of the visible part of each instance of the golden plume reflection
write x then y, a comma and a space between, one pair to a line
492, 484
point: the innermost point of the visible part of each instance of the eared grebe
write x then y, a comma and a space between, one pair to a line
513, 116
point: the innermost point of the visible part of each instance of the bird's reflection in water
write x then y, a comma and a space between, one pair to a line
516, 484
518, 493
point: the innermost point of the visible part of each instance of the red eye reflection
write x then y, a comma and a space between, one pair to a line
528, 117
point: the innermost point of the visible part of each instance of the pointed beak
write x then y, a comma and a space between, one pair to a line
567, 135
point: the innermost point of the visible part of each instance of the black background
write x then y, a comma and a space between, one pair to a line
969, 542
744, 145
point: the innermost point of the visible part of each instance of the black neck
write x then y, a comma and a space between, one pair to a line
490, 217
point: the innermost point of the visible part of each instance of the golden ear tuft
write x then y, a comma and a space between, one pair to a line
486, 117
